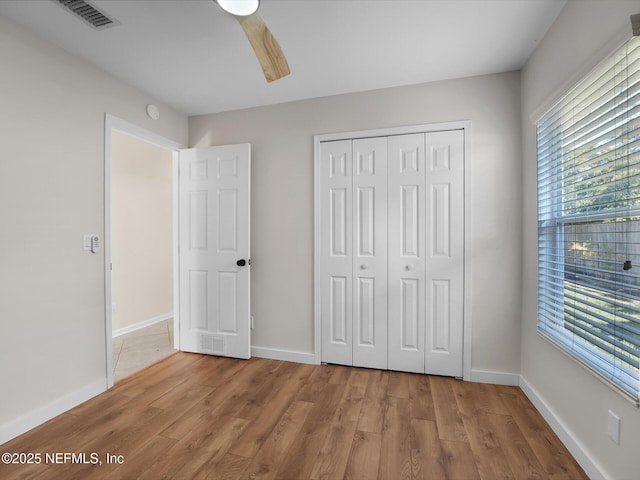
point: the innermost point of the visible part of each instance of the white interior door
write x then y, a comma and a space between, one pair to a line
445, 253
336, 213
370, 252
391, 252
214, 203
354, 252
406, 253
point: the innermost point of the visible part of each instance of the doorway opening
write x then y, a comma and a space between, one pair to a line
140, 248
141, 253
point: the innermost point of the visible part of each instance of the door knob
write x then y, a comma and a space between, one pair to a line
241, 263
363, 267
408, 267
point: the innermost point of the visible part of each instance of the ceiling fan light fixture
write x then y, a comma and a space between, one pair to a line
239, 8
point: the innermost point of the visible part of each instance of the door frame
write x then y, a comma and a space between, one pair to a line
464, 125
114, 123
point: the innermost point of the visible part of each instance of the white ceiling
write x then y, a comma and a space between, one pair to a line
195, 57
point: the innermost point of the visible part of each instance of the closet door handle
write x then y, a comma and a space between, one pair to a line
363, 266
408, 267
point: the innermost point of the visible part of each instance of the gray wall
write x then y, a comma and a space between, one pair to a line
282, 200
584, 33
52, 317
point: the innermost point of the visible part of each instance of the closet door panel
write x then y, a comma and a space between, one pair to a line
336, 251
445, 256
370, 253
409, 324
407, 251
339, 307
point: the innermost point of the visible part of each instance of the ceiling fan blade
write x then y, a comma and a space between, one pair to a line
269, 53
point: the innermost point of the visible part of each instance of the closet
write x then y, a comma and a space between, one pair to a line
391, 251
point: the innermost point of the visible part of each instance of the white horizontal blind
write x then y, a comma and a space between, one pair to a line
589, 220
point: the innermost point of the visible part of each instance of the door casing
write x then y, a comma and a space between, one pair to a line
468, 207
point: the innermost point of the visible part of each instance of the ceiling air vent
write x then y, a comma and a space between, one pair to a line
88, 13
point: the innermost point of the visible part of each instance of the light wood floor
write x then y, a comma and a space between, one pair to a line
199, 417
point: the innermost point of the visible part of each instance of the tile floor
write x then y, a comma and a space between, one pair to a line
137, 350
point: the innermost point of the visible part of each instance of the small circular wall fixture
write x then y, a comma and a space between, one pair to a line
153, 111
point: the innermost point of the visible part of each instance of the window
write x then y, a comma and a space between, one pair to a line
589, 221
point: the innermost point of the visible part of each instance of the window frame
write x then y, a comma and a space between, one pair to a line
552, 221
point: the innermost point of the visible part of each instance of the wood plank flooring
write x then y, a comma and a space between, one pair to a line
199, 417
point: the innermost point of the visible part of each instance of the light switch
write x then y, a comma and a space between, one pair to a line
86, 242
91, 242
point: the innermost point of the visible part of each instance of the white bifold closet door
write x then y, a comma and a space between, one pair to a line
444, 243
407, 253
391, 252
354, 290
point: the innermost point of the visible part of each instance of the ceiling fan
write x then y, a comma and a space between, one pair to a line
269, 54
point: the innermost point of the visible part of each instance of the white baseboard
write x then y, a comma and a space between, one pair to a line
142, 324
286, 355
566, 437
46, 412
497, 378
